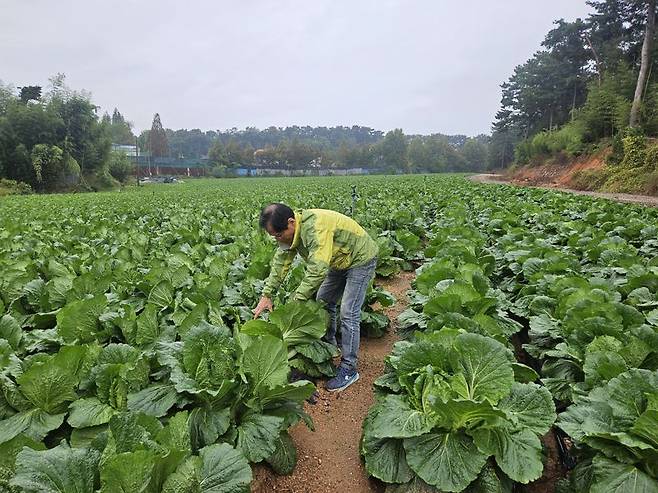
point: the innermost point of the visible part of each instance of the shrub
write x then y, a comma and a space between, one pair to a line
617, 154
99, 181
13, 187
523, 152
652, 183
651, 158
218, 171
590, 179
564, 143
119, 166
568, 139
626, 180
635, 148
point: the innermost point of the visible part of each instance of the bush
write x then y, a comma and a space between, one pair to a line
635, 149
617, 154
590, 179
651, 158
627, 180
222, 171
119, 166
523, 152
70, 174
100, 181
652, 183
564, 144
13, 187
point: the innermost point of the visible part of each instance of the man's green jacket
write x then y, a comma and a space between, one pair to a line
326, 240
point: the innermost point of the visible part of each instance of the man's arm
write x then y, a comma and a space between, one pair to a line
320, 248
278, 269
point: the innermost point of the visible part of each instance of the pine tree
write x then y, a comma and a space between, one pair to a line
157, 139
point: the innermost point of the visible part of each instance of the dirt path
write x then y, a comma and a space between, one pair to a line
645, 200
328, 459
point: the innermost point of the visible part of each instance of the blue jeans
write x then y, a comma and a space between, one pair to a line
350, 284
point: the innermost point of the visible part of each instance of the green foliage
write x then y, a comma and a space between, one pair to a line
435, 154
608, 105
13, 187
233, 155
119, 166
119, 130
652, 183
48, 141
475, 154
619, 421
568, 140
630, 165
220, 171
586, 75
635, 144
626, 180
651, 157
590, 179
459, 405
392, 152
30, 93
125, 330
46, 161
99, 181
157, 139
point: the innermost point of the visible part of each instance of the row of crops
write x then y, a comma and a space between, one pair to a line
129, 363
527, 301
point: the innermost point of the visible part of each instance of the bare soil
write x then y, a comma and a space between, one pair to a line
328, 458
556, 184
553, 468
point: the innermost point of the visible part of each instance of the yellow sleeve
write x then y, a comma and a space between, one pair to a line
320, 244
278, 269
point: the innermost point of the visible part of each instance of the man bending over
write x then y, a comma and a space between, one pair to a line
340, 262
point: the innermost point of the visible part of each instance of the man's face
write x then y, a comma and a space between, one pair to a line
286, 236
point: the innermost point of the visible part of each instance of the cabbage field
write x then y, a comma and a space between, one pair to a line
129, 361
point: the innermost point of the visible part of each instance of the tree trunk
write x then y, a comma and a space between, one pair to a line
646, 61
599, 68
573, 103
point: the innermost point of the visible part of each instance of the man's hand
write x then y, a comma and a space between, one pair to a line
265, 303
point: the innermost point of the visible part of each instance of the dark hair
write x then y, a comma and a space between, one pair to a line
276, 215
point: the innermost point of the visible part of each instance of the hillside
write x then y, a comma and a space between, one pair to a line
590, 172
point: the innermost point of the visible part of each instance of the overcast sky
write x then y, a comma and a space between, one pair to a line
421, 65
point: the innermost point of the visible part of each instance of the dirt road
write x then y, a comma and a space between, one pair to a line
645, 200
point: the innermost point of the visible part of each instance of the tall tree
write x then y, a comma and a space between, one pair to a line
157, 142
475, 154
393, 151
119, 129
30, 93
650, 33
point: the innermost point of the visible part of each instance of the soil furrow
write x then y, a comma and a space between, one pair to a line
328, 458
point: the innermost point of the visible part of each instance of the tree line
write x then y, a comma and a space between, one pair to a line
55, 140
333, 147
593, 81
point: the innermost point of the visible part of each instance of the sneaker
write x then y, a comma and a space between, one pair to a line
342, 380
